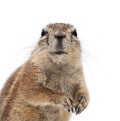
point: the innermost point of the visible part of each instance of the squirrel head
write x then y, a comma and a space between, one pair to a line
59, 38
58, 43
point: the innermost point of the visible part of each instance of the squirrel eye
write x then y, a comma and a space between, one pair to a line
43, 33
74, 33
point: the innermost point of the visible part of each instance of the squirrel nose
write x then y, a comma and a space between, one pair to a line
59, 36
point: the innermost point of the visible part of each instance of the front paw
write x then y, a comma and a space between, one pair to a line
66, 102
81, 103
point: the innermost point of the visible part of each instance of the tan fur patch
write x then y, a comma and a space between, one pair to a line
61, 26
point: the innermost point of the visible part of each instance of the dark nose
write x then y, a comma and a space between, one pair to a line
59, 36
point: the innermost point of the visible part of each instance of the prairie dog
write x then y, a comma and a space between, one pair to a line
50, 85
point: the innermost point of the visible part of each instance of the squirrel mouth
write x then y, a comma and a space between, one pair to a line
60, 52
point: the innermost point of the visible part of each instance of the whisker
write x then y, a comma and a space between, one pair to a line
36, 52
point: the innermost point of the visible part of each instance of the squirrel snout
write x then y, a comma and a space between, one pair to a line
59, 36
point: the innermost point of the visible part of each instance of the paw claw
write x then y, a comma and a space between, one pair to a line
81, 104
80, 99
67, 102
68, 110
72, 109
78, 111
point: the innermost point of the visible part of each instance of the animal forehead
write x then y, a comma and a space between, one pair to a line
60, 26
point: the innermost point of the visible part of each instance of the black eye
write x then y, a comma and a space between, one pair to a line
74, 33
43, 33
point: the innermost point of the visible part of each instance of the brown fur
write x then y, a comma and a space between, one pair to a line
48, 86
62, 26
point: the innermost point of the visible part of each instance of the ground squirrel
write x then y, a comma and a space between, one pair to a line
50, 85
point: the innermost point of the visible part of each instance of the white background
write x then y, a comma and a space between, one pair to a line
98, 25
